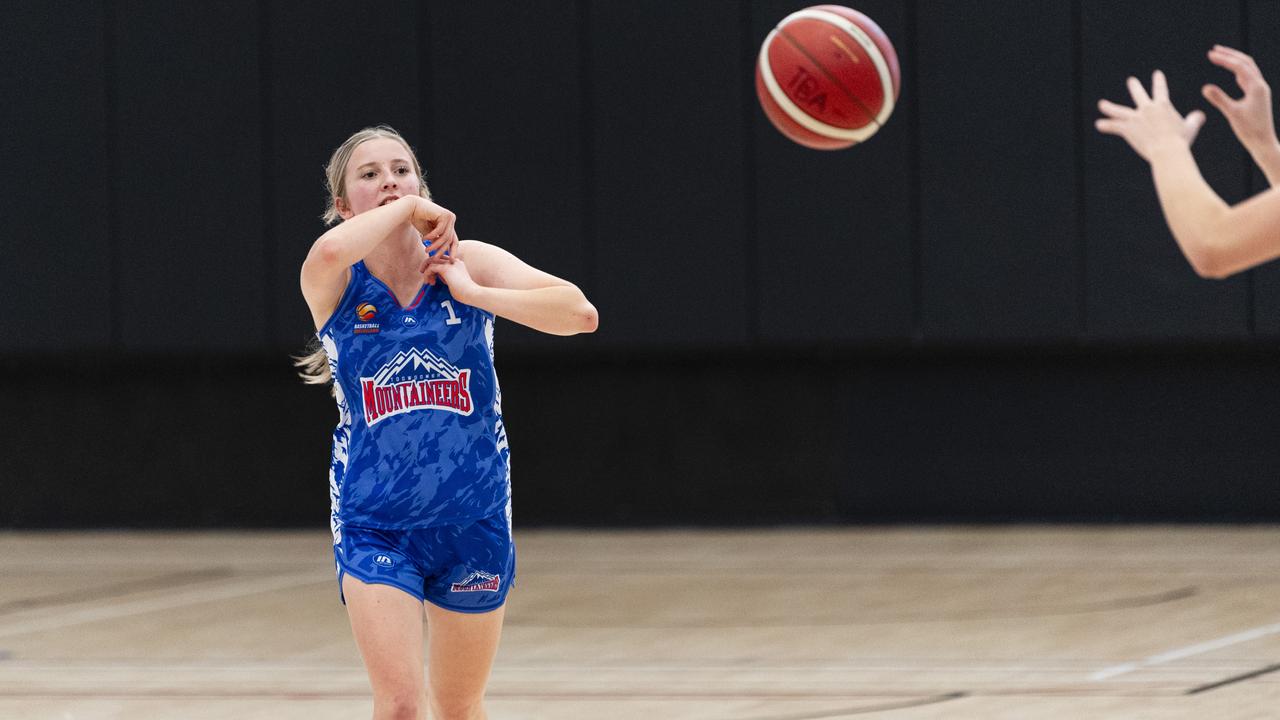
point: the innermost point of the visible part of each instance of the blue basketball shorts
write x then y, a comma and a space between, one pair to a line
465, 568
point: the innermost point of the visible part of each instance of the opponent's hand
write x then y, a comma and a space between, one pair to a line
1250, 116
455, 275
1151, 121
437, 227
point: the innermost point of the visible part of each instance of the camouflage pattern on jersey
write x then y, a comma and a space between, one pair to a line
419, 441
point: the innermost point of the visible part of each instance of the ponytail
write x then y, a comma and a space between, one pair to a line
314, 365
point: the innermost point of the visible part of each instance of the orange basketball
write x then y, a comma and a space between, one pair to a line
365, 311
827, 77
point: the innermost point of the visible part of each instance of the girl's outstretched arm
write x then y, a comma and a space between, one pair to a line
492, 279
1218, 240
1250, 116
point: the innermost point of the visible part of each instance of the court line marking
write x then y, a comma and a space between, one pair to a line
848, 712
1186, 652
1235, 679
185, 665
641, 568
490, 693
116, 665
99, 593
1015, 613
23, 623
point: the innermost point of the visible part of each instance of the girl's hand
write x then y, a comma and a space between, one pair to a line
1250, 116
456, 276
437, 227
1152, 121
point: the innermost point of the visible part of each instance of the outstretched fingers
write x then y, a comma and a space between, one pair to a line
1117, 116
1159, 87
1218, 98
1191, 125
1137, 92
1109, 127
1241, 59
1115, 110
1245, 72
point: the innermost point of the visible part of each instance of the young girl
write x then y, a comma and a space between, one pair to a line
1218, 240
419, 482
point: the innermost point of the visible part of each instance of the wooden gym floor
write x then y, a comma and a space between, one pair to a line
788, 624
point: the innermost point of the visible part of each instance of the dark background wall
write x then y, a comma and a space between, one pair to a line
977, 315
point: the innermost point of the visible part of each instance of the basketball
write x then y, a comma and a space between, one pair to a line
365, 311
827, 77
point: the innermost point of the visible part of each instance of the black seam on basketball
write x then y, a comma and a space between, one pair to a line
832, 78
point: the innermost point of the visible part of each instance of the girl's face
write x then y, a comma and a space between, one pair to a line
380, 170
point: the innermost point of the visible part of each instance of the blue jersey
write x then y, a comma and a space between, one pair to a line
420, 440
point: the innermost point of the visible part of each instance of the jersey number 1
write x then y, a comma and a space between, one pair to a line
453, 319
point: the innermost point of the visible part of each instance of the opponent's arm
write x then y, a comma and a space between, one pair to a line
1218, 240
492, 279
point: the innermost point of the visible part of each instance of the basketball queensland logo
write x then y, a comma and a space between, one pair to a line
365, 313
412, 381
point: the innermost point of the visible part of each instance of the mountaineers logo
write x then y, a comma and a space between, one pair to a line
477, 582
415, 380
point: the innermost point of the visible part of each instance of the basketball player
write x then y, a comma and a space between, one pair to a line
1219, 240
419, 480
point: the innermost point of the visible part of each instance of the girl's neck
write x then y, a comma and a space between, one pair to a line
397, 256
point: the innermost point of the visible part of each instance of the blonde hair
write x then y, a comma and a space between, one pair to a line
336, 170
314, 363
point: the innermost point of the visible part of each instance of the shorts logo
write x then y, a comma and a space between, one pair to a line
412, 381
477, 582
383, 560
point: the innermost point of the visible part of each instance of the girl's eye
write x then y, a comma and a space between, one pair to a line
368, 174
402, 171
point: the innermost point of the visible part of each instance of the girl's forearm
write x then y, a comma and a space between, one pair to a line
557, 310
1268, 159
354, 238
1193, 210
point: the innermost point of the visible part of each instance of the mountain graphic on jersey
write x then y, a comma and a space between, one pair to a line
412, 381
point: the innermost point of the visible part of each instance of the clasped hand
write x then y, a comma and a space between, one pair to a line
439, 234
